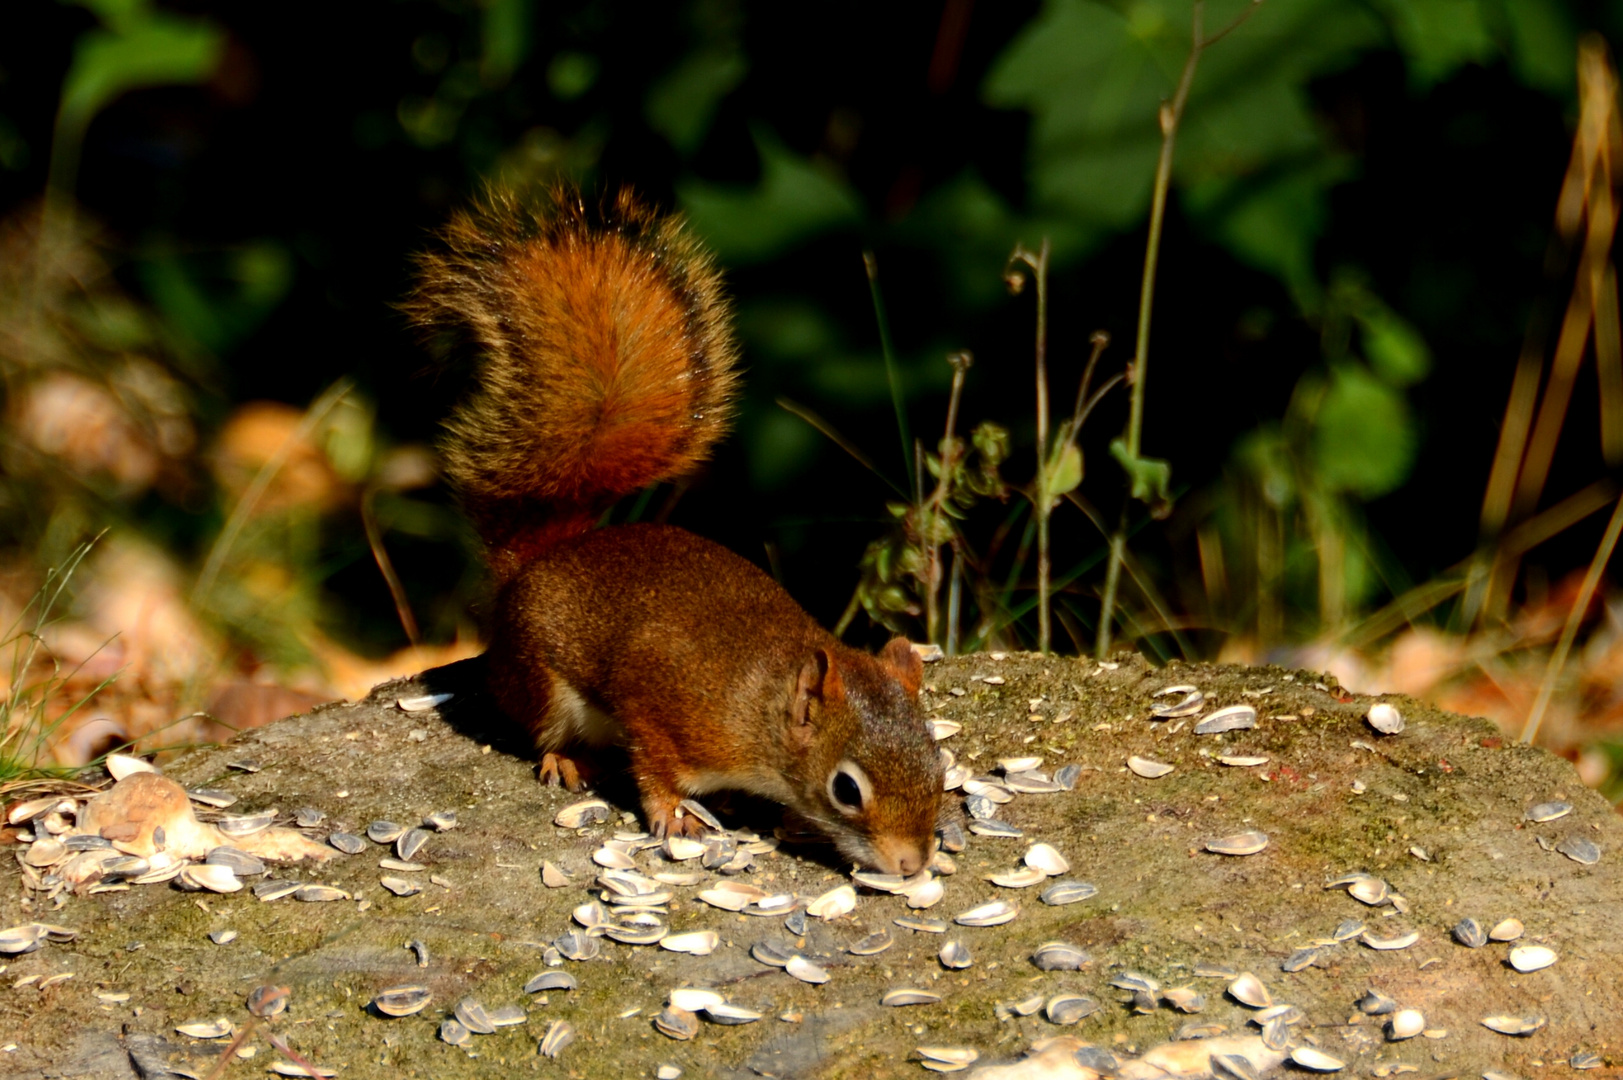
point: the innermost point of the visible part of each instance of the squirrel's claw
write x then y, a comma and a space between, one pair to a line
557, 769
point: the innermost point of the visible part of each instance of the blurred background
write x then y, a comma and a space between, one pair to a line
1382, 405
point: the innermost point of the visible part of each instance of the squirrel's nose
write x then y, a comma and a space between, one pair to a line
904, 858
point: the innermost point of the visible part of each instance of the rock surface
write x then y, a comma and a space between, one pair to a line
1436, 811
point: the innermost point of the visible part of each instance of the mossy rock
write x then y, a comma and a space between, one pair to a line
1437, 811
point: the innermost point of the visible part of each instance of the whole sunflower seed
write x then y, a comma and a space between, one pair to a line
1469, 932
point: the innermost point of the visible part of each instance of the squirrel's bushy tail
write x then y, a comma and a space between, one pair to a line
603, 354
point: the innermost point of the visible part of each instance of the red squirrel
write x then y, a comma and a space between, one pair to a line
604, 361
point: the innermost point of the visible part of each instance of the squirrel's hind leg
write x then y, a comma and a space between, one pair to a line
555, 715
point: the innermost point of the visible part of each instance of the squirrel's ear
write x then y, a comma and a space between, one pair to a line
818, 680
904, 662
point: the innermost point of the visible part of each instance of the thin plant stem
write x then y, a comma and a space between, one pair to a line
1170, 116
948, 464
261, 482
837, 439
380, 555
892, 374
1569, 632
1042, 500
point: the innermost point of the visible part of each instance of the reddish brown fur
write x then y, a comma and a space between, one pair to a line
605, 359
605, 362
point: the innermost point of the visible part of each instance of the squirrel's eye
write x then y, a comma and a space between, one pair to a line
849, 788
846, 791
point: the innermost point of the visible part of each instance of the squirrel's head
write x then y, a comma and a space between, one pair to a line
870, 775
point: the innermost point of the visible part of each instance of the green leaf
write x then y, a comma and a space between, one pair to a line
1364, 438
1439, 36
1151, 478
681, 105
1394, 348
1543, 45
158, 50
795, 200
571, 74
1064, 472
505, 29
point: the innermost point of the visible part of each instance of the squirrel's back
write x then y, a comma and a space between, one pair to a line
602, 352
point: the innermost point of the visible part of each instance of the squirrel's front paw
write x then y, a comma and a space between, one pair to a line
572, 774
665, 823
